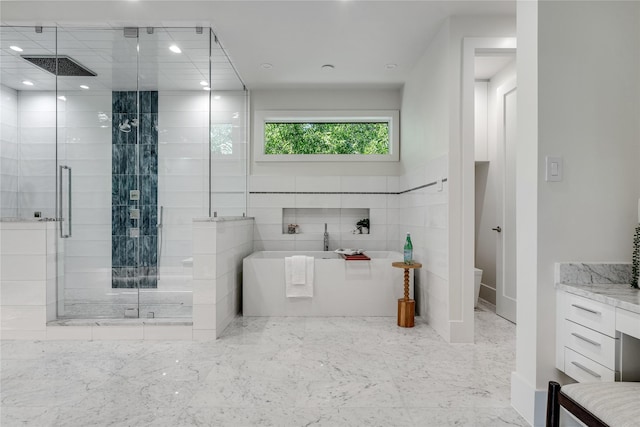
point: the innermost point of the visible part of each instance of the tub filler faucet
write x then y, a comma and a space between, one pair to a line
326, 238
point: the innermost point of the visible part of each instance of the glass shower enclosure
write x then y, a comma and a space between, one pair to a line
123, 136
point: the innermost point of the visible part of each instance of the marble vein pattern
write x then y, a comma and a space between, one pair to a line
268, 372
589, 273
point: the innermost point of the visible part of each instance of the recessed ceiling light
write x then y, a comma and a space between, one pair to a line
216, 97
27, 82
206, 88
84, 87
16, 48
175, 49
266, 66
328, 67
204, 83
62, 98
390, 66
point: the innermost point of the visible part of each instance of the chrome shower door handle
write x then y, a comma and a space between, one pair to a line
60, 201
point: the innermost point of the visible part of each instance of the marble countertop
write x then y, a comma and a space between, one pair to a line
13, 219
618, 295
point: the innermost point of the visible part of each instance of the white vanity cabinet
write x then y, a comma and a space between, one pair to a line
587, 342
594, 340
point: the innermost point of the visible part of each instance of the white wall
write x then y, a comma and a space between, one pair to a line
425, 136
8, 152
487, 188
348, 99
277, 185
587, 109
183, 171
229, 168
37, 153
432, 149
293, 192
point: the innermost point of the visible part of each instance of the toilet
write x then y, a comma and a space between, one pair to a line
477, 278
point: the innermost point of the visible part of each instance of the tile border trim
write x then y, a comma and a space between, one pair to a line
430, 184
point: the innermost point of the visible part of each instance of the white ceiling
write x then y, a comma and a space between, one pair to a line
296, 37
358, 37
120, 63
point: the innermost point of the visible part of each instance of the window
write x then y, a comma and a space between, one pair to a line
221, 138
326, 135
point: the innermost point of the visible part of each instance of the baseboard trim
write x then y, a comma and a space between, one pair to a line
530, 403
488, 293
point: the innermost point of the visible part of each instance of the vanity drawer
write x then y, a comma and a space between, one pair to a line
591, 344
592, 314
585, 370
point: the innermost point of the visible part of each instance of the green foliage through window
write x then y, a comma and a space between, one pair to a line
221, 140
326, 138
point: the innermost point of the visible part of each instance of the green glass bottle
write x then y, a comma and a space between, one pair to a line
408, 250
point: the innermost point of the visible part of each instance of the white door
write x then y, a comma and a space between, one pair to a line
506, 227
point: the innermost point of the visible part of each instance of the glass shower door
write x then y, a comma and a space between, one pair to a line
99, 178
174, 76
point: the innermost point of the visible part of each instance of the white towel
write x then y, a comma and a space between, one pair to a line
298, 270
298, 291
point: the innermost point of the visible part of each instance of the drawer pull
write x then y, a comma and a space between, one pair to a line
587, 370
592, 342
586, 309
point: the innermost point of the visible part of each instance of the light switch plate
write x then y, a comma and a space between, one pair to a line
134, 195
554, 169
134, 232
134, 213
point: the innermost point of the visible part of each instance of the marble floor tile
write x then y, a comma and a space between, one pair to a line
279, 371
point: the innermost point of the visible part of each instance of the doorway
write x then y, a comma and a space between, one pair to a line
495, 120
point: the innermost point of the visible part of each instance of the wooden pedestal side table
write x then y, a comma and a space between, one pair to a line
406, 306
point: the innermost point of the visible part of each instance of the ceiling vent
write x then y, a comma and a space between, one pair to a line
66, 66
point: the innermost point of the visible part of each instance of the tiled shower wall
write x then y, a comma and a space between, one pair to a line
8, 152
182, 174
36, 153
183, 169
85, 146
228, 153
134, 167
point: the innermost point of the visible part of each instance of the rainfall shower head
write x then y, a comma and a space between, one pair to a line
67, 67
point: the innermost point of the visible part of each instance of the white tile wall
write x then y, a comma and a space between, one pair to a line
27, 278
219, 248
182, 172
317, 209
85, 146
36, 113
8, 152
229, 170
424, 214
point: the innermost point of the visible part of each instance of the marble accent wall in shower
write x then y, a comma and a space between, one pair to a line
134, 167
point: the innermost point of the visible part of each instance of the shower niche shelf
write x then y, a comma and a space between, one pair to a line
312, 220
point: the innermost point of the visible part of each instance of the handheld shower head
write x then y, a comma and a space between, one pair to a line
125, 126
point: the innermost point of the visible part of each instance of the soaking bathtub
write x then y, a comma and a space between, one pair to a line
341, 288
